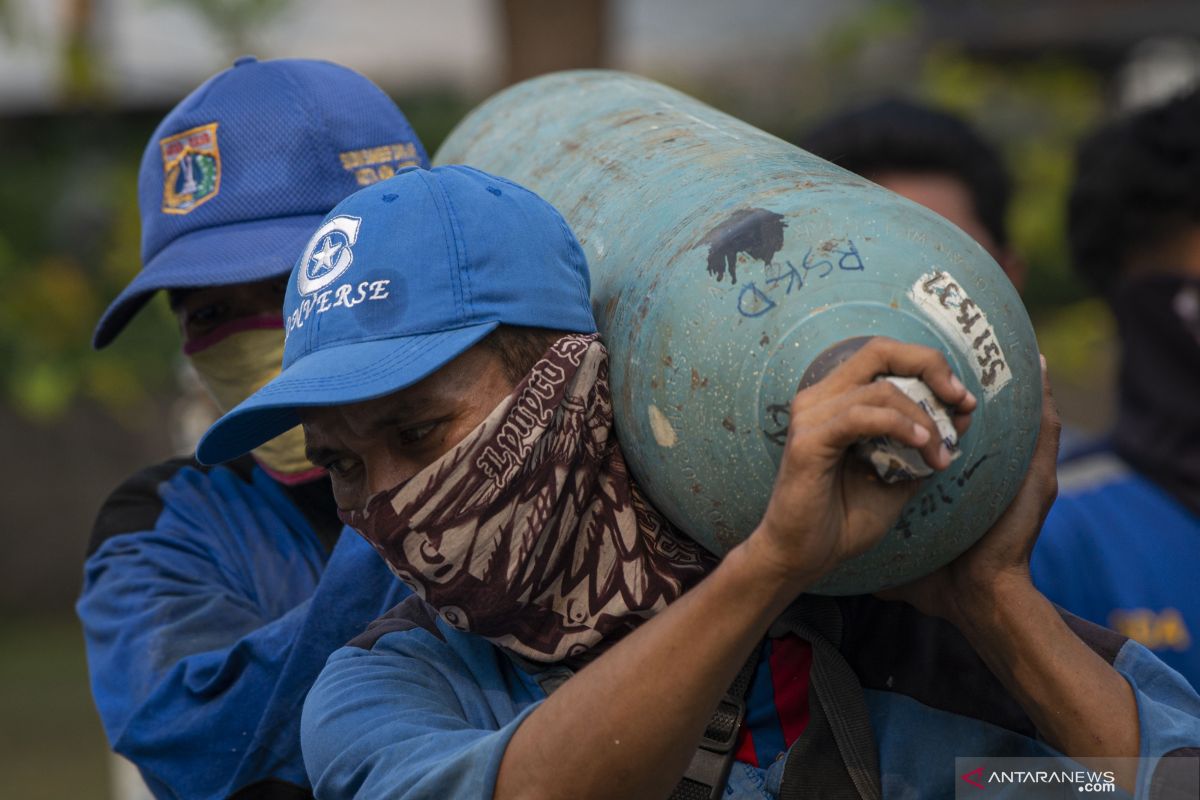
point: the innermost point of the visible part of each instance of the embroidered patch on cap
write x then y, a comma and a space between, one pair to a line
373, 164
191, 169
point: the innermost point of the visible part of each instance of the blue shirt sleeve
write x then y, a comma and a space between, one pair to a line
1168, 717
413, 717
205, 631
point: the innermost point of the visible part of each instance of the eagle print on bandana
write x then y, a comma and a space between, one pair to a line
530, 532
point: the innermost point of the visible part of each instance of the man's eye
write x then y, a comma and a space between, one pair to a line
341, 467
207, 314
415, 434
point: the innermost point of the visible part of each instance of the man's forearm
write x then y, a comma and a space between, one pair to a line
628, 723
1080, 704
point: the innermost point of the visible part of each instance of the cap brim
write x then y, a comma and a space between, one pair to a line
241, 253
348, 373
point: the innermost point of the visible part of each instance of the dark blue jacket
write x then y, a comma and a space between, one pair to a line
210, 603
1118, 550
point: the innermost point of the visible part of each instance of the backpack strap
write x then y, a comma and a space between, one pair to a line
706, 774
836, 756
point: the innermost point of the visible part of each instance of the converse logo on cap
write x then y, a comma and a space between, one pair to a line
328, 254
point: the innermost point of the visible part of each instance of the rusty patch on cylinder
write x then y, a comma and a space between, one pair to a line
610, 307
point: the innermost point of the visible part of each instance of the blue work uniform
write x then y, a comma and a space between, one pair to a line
414, 708
212, 597
1119, 550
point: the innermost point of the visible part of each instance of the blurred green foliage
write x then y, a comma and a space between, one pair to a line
881, 21
1034, 108
1035, 112
70, 241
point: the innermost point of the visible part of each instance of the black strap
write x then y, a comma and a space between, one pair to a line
705, 776
272, 789
836, 755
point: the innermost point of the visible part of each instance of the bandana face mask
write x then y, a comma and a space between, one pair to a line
530, 531
1158, 423
236, 360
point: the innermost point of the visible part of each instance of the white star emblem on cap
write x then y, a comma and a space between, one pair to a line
323, 258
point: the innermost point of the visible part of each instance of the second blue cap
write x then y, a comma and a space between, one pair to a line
237, 176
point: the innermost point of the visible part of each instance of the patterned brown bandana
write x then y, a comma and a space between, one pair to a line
531, 532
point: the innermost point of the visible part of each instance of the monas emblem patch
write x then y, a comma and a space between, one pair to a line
191, 169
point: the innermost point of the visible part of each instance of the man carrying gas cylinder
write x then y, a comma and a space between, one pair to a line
565, 639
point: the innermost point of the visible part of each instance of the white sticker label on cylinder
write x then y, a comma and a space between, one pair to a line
956, 315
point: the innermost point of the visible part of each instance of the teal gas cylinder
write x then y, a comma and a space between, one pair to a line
723, 261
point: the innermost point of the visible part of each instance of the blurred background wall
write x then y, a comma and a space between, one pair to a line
83, 83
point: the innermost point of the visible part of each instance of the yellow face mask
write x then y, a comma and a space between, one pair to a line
235, 366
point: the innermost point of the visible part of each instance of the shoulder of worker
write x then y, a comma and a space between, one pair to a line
1103, 512
896, 650
920, 668
412, 630
1090, 467
436, 663
1098, 493
193, 495
1118, 549
417, 676
413, 708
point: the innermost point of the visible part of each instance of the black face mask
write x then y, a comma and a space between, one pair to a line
1158, 422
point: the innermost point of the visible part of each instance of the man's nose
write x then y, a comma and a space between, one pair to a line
384, 473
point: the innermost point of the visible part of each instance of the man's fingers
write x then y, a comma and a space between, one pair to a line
886, 393
961, 423
830, 416
859, 422
1040, 485
1045, 453
882, 356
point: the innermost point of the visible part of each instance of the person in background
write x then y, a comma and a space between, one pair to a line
564, 639
212, 596
1120, 546
932, 158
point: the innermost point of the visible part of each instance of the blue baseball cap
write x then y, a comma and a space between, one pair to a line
236, 177
401, 278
